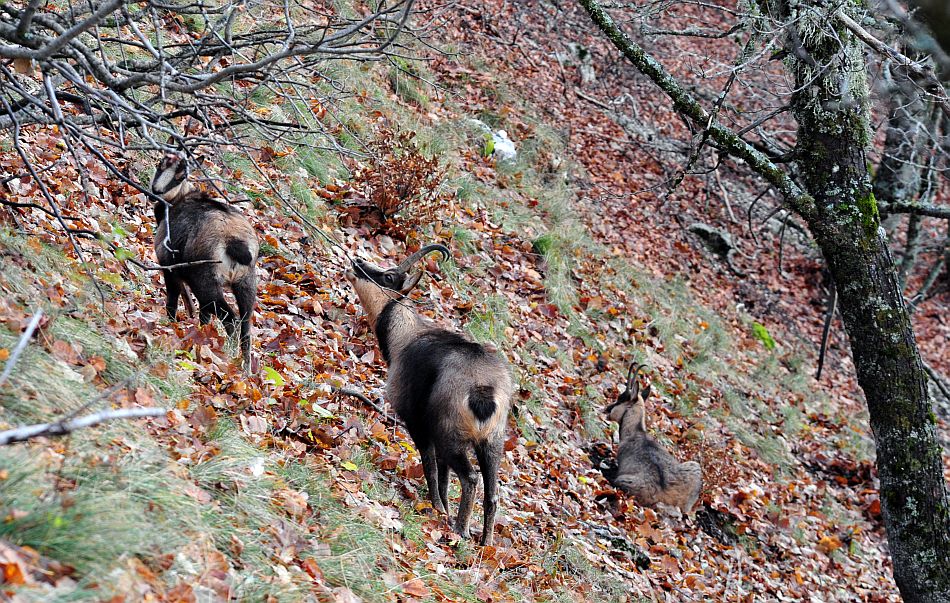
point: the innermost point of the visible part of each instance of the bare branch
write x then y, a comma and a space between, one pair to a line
388, 418
687, 105
29, 432
921, 209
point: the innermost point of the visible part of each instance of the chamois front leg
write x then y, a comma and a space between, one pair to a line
173, 290
431, 470
469, 480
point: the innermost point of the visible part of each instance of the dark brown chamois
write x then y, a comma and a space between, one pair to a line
192, 226
644, 468
453, 394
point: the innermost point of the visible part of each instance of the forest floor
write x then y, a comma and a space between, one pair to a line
571, 258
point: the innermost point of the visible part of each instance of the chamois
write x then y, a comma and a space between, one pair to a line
452, 394
644, 468
192, 226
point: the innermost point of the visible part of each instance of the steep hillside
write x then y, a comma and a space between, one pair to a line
277, 487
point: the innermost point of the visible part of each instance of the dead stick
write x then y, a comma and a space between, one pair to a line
21, 345
28, 432
938, 381
374, 405
145, 266
826, 329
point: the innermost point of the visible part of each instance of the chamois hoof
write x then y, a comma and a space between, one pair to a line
463, 531
669, 510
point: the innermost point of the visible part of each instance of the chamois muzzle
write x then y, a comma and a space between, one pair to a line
171, 172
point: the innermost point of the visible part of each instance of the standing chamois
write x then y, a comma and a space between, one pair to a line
644, 468
192, 226
452, 394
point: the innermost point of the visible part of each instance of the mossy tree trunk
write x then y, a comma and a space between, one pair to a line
834, 195
831, 108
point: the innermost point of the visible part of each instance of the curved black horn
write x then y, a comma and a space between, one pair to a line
632, 380
407, 263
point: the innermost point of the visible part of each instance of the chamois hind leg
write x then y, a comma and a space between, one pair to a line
458, 461
173, 290
444, 484
489, 457
245, 292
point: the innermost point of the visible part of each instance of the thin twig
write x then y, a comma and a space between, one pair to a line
388, 418
938, 381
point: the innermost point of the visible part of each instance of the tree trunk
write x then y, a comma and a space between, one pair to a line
830, 106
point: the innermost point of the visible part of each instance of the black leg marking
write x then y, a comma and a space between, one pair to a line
173, 290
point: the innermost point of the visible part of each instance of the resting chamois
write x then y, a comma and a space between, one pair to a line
192, 226
452, 394
644, 468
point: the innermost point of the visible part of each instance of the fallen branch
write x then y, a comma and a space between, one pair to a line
388, 418
938, 381
826, 329
28, 432
21, 345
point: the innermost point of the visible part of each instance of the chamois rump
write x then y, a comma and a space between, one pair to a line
452, 394
192, 226
644, 469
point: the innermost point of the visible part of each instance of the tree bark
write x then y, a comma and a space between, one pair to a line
834, 196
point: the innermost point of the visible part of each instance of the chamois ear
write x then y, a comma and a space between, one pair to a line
646, 392
411, 281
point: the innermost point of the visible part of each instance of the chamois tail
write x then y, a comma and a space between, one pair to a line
238, 251
481, 400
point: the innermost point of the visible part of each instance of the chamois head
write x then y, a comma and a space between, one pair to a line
170, 181
629, 407
373, 284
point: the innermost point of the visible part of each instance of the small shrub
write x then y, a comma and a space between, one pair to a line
397, 177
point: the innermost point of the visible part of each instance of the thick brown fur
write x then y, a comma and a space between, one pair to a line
644, 469
192, 226
453, 394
